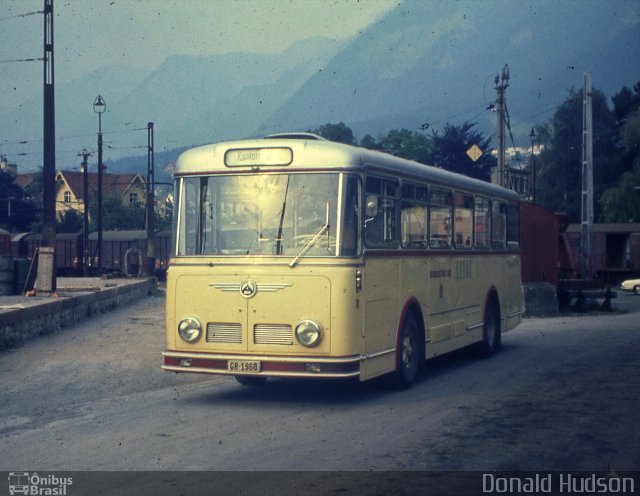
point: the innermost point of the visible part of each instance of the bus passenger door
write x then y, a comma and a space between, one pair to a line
380, 315
381, 275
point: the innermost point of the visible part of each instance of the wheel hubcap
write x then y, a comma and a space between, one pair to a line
407, 350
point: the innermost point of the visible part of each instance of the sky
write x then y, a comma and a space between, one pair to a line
89, 34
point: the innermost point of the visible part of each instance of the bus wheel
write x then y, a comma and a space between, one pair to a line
409, 354
491, 336
250, 380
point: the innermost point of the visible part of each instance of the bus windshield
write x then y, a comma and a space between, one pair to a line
292, 215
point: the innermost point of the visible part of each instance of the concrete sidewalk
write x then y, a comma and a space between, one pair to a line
77, 298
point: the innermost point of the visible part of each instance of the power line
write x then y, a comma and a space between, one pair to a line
21, 15
21, 60
528, 118
74, 136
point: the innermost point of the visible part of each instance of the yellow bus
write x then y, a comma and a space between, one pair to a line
294, 256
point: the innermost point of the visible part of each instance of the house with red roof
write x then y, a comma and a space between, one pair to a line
131, 188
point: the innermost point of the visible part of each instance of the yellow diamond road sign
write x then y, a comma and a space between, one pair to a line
475, 152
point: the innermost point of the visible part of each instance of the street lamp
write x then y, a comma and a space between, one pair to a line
150, 259
99, 106
532, 135
85, 214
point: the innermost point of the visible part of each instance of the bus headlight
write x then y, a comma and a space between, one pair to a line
189, 329
308, 333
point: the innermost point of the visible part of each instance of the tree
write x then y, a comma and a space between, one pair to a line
408, 144
33, 191
450, 151
341, 133
164, 214
16, 212
631, 137
622, 203
116, 216
369, 142
70, 222
626, 102
559, 185
447, 150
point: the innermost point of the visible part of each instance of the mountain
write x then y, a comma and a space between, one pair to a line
198, 99
424, 62
434, 62
191, 100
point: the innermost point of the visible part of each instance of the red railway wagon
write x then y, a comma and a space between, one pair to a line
539, 244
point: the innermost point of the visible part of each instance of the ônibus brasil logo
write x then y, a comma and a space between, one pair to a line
33, 484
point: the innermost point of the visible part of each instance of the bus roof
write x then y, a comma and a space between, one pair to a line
293, 152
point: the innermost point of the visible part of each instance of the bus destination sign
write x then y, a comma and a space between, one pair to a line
242, 157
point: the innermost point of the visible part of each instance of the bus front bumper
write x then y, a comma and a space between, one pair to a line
260, 365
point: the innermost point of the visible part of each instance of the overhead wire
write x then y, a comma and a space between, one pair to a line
26, 14
60, 139
22, 60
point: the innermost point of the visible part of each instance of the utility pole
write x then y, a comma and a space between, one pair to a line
502, 82
99, 106
46, 279
532, 135
587, 178
86, 254
150, 261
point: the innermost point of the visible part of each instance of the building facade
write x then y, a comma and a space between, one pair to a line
131, 188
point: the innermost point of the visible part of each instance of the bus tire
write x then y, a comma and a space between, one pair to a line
491, 333
250, 380
410, 353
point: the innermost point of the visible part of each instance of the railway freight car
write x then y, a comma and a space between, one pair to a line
122, 252
68, 250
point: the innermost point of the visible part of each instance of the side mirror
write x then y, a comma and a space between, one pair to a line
372, 207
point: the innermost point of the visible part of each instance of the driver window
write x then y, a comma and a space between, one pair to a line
381, 229
351, 224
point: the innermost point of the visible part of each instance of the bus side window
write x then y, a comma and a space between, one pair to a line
463, 220
381, 227
499, 225
482, 229
414, 223
440, 214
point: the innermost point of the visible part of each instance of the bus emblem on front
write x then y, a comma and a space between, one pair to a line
248, 288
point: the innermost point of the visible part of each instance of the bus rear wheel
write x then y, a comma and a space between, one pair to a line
491, 335
410, 354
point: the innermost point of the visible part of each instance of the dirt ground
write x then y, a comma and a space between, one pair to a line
561, 395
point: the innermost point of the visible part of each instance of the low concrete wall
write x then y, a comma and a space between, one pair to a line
18, 325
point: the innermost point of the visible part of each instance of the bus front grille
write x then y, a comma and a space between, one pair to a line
223, 332
273, 334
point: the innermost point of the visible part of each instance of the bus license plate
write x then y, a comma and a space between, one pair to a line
243, 366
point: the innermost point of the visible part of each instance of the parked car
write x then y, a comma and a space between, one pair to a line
631, 285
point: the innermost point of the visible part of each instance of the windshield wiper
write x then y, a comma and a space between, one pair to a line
312, 241
284, 207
